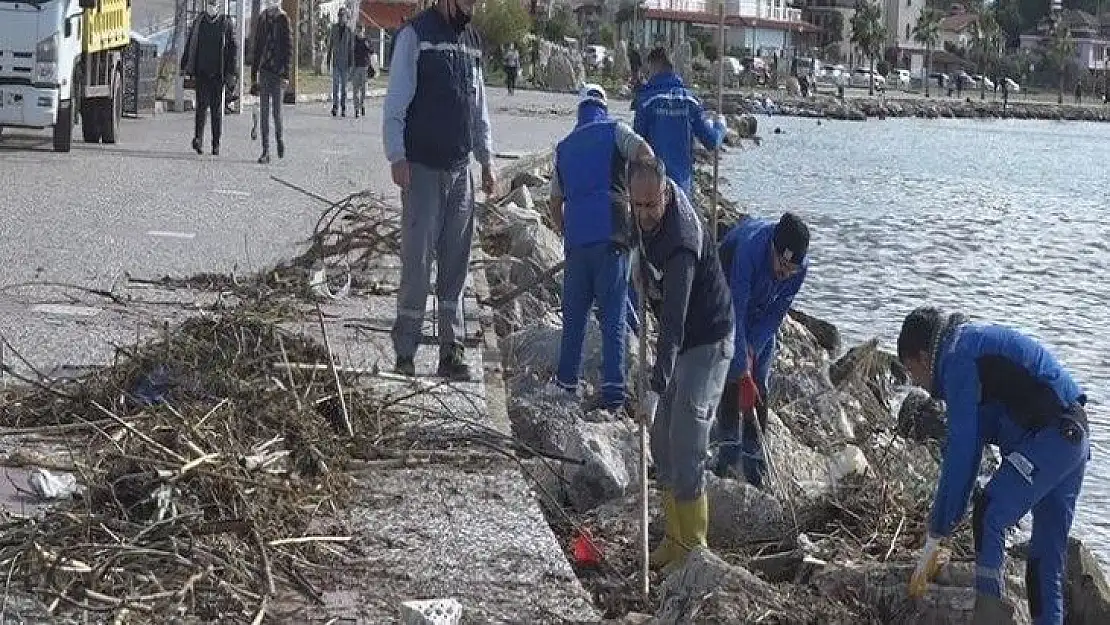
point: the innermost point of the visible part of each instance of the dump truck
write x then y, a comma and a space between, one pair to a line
61, 63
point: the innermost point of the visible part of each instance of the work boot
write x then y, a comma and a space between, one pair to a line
265, 158
281, 148
669, 548
196, 145
405, 367
693, 521
334, 110
991, 610
215, 149
452, 364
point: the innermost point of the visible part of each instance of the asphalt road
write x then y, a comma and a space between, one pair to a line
150, 207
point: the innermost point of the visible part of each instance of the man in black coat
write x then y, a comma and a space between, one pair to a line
211, 58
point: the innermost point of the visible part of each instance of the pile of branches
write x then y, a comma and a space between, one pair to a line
211, 488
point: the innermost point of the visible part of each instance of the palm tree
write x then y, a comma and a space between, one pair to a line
1061, 50
985, 44
927, 31
869, 34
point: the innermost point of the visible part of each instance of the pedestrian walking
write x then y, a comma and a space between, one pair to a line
211, 60
270, 69
1003, 388
589, 205
512, 68
669, 116
766, 264
687, 287
363, 70
341, 59
434, 116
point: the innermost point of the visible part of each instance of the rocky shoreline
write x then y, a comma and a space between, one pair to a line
834, 537
860, 109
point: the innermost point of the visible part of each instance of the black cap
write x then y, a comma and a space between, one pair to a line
791, 238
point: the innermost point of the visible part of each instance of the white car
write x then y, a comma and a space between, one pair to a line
833, 74
985, 82
594, 56
901, 78
861, 77
1011, 86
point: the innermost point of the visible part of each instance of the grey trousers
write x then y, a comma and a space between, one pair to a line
270, 96
437, 223
358, 87
680, 432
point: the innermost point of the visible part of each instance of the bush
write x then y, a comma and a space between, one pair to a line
501, 22
882, 67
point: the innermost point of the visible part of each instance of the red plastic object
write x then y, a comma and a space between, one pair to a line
586, 552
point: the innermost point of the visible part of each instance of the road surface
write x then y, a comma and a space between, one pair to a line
151, 207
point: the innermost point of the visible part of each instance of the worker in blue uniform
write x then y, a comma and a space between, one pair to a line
589, 205
1003, 388
766, 263
669, 116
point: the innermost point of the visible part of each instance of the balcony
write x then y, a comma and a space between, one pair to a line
763, 9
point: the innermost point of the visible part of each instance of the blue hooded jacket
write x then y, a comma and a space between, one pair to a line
994, 379
668, 115
759, 301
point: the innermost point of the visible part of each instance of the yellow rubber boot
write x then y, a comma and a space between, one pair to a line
693, 519
669, 548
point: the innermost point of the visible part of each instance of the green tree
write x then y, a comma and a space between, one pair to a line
502, 22
985, 46
835, 28
868, 34
1061, 50
562, 23
605, 33
927, 32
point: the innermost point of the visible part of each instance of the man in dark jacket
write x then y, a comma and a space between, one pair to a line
341, 59
1003, 388
766, 265
362, 71
434, 116
273, 56
211, 59
679, 266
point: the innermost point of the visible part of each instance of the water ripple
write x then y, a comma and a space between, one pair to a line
1006, 221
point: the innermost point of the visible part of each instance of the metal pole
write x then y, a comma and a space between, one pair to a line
641, 390
713, 211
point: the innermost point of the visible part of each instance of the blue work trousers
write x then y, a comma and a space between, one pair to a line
744, 446
1043, 474
595, 273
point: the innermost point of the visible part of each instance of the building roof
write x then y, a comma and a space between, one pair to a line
958, 23
388, 15
706, 17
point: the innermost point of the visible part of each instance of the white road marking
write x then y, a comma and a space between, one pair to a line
232, 192
171, 235
62, 309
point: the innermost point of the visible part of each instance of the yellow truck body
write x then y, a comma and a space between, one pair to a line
107, 26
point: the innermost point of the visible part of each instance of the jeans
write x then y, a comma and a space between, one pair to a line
270, 95
339, 76
210, 98
358, 88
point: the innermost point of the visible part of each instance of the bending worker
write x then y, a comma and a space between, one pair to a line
1003, 388
690, 296
766, 265
589, 205
668, 115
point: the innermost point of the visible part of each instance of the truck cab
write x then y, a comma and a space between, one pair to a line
60, 61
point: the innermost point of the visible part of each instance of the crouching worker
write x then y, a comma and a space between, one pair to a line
678, 262
589, 205
1002, 388
766, 265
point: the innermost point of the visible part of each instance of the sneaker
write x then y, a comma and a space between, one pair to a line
405, 366
264, 159
356, 112
216, 150
452, 365
281, 148
343, 112
334, 111
196, 146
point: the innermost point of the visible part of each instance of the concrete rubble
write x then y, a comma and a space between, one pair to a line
832, 537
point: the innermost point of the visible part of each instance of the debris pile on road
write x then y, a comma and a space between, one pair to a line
832, 537
212, 469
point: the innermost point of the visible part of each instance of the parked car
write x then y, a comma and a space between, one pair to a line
833, 75
939, 79
985, 82
861, 77
900, 78
966, 81
1011, 86
593, 56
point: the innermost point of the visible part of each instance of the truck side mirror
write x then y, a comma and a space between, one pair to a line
68, 29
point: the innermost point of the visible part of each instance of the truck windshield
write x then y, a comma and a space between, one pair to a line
35, 3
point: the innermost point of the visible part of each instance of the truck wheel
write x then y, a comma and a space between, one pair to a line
113, 112
90, 121
63, 128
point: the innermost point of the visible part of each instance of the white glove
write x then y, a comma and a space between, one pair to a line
649, 406
927, 567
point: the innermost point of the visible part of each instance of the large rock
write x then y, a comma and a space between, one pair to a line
872, 367
827, 335
740, 514
535, 349
702, 574
1086, 591
882, 587
606, 454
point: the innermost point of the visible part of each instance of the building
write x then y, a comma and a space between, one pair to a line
752, 27
1091, 35
829, 16
957, 30
900, 17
